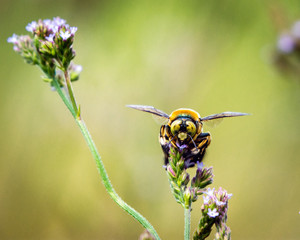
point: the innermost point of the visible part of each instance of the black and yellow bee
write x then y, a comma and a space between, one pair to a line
183, 129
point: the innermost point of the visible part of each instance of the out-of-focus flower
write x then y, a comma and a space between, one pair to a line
31, 27
286, 56
296, 29
286, 43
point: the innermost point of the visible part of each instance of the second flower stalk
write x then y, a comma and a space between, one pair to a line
215, 206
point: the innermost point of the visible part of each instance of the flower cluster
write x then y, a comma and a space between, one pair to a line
214, 212
215, 202
286, 56
179, 179
49, 45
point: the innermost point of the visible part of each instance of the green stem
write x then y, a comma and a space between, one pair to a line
187, 223
100, 166
70, 91
108, 184
63, 97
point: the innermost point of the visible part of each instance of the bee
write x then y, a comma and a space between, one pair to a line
183, 129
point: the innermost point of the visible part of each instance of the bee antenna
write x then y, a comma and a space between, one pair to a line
193, 141
172, 139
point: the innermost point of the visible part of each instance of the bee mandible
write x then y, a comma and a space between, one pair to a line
183, 129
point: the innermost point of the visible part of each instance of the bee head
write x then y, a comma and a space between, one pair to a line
182, 127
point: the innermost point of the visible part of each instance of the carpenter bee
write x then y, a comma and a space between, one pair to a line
183, 129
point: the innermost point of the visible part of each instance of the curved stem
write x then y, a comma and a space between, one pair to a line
100, 166
187, 223
108, 184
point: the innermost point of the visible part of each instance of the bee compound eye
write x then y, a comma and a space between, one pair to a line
191, 128
175, 126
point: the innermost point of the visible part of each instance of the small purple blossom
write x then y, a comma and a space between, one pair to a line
13, 39
73, 30
181, 147
200, 165
77, 68
206, 199
210, 192
31, 27
212, 213
219, 203
59, 21
286, 43
65, 35
50, 38
47, 22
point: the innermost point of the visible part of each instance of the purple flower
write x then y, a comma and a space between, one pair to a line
210, 192
65, 35
47, 22
219, 203
200, 165
77, 68
212, 213
31, 26
13, 39
50, 38
73, 30
286, 43
206, 199
59, 21
296, 29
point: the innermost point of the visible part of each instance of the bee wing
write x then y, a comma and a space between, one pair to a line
150, 109
213, 122
217, 118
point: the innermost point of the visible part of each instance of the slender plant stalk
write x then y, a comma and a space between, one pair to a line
99, 162
187, 223
70, 90
63, 97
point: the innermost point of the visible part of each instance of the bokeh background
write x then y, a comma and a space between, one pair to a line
212, 56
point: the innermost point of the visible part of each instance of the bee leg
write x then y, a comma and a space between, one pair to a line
166, 150
203, 140
165, 145
197, 153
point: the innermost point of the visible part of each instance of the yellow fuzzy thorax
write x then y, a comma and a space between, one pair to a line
184, 112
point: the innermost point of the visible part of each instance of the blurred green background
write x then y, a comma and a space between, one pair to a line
212, 56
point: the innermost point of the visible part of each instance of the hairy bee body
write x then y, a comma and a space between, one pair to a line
193, 148
184, 131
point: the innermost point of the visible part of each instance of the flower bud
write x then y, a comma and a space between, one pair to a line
171, 172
